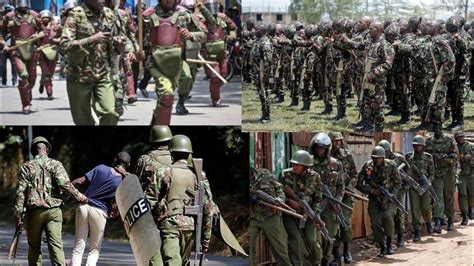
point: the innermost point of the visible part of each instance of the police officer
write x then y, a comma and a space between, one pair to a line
35, 195
466, 176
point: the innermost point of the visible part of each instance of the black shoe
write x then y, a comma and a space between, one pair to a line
450, 225
327, 109
360, 123
416, 236
294, 101
443, 222
347, 253
50, 97
279, 98
381, 253
437, 227
41, 89
132, 99
400, 240
306, 105
341, 113
336, 256
180, 108
365, 128
389, 246
393, 112
465, 220
429, 228
405, 119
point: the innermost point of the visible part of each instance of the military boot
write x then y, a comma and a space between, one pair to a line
180, 108
400, 240
347, 253
459, 125
416, 235
464, 219
404, 119
324, 262
453, 123
381, 253
294, 101
429, 228
443, 222
471, 214
394, 112
41, 88
450, 225
327, 109
389, 245
336, 256
279, 98
341, 113
306, 105
437, 227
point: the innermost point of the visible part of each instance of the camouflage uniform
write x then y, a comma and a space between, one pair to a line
360, 43
421, 204
90, 69
307, 187
445, 155
313, 48
24, 58
298, 60
264, 219
341, 74
332, 175
261, 55
280, 42
466, 176
247, 39
37, 188
381, 212
437, 48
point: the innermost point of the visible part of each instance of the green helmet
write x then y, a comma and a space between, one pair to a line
453, 24
180, 143
39, 140
392, 32
339, 24
335, 135
302, 157
385, 145
458, 134
418, 140
378, 152
160, 134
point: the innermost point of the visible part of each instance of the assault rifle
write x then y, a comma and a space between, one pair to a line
426, 184
410, 181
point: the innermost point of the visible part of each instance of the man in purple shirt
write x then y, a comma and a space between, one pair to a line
101, 182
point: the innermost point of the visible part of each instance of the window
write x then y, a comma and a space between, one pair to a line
259, 17
279, 17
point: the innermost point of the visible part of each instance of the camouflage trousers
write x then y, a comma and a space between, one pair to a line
466, 192
345, 235
381, 217
329, 217
420, 208
176, 246
435, 112
455, 98
372, 105
264, 95
420, 92
445, 188
302, 242
399, 218
397, 92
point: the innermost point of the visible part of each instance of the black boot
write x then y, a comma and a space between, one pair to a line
347, 253
180, 108
378, 128
437, 228
471, 215
336, 256
389, 245
443, 222
381, 253
306, 105
465, 220
450, 225
395, 112
416, 236
400, 240
279, 98
341, 113
429, 228
459, 125
324, 262
327, 109
405, 119
294, 101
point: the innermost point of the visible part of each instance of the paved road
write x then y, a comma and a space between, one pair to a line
57, 112
112, 253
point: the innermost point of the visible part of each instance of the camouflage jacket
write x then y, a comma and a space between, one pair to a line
88, 63
307, 187
149, 168
266, 182
262, 50
385, 175
38, 183
359, 43
459, 44
398, 159
347, 159
436, 48
127, 26
381, 54
466, 159
332, 174
445, 155
424, 162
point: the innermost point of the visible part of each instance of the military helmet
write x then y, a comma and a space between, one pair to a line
418, 140
160, 134
453, 24
335, 135
46, 14
290, 31
385, 145
414, 23
309, 30
39, 140
249, 23
22, 3
180, 143
392, 32
339, 24
271, 29
350, 25
320, 140
302, 157
458, 134
378, 152
70, 4
326, 28
299, 26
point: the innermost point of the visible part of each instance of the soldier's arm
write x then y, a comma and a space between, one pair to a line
361, 186
68, 42
387, 54
231, 28
447, 58
196, 32
316, 187
207, 213
21, 190
431, 169
62, 180
279, 194
267, 55
396, 179
131, 30
348, 44
340, 182
207, 14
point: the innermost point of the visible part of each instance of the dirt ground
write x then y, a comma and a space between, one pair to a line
448, 248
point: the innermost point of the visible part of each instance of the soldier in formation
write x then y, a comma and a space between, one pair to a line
300, 195
417, 66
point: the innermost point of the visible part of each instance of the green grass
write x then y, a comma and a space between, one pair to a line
291, 119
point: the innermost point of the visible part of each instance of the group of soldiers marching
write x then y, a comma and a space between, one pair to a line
102, 48
175, 188
416, 66
305, 213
